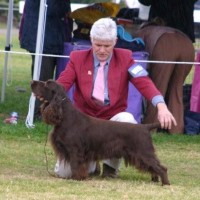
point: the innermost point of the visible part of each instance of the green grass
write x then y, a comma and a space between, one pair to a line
23, 164
24, 174
18, 77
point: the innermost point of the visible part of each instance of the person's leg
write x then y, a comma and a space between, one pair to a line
47, 68
37, 114
47, 72
169, 78
111, 166
32, 65
174, 96
48, 65
160, 75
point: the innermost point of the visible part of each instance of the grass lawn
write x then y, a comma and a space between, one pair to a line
25, 156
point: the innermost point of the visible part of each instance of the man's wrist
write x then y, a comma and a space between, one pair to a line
157, 99
161, 105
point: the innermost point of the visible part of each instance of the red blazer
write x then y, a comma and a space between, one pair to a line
79, 70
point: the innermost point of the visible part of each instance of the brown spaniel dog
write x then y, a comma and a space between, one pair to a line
79, 139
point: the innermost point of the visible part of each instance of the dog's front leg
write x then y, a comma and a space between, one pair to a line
79, 168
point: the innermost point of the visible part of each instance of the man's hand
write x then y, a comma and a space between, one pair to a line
165, 117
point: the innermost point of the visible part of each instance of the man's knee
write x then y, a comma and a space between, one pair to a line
124, 117
63, 169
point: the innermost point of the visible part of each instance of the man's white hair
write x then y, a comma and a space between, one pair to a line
104, 29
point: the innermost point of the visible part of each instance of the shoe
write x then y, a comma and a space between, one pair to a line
109, 172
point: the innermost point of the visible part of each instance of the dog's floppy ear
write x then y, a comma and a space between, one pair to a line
53, 113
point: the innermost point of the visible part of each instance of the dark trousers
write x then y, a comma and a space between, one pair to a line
48, 66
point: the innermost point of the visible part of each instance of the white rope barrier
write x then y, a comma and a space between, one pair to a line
67, 56
28, 53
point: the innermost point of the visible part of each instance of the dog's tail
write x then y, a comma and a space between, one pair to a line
153, 126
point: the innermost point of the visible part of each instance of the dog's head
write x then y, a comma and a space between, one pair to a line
46, 91
52, 95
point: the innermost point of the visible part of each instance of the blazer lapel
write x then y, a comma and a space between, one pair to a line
86, 73
114, 79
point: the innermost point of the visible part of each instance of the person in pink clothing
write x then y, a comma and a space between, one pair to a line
119, 69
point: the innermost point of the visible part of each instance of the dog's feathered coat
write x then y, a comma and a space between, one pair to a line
80, 139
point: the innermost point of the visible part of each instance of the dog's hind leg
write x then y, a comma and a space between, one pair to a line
154, 177
161, 171
152, 165
157, 170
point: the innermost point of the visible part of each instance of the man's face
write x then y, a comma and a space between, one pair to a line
102, 48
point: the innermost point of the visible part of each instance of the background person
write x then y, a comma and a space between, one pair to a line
166, 44
169, 78
57, 30
175, 13
118, 69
